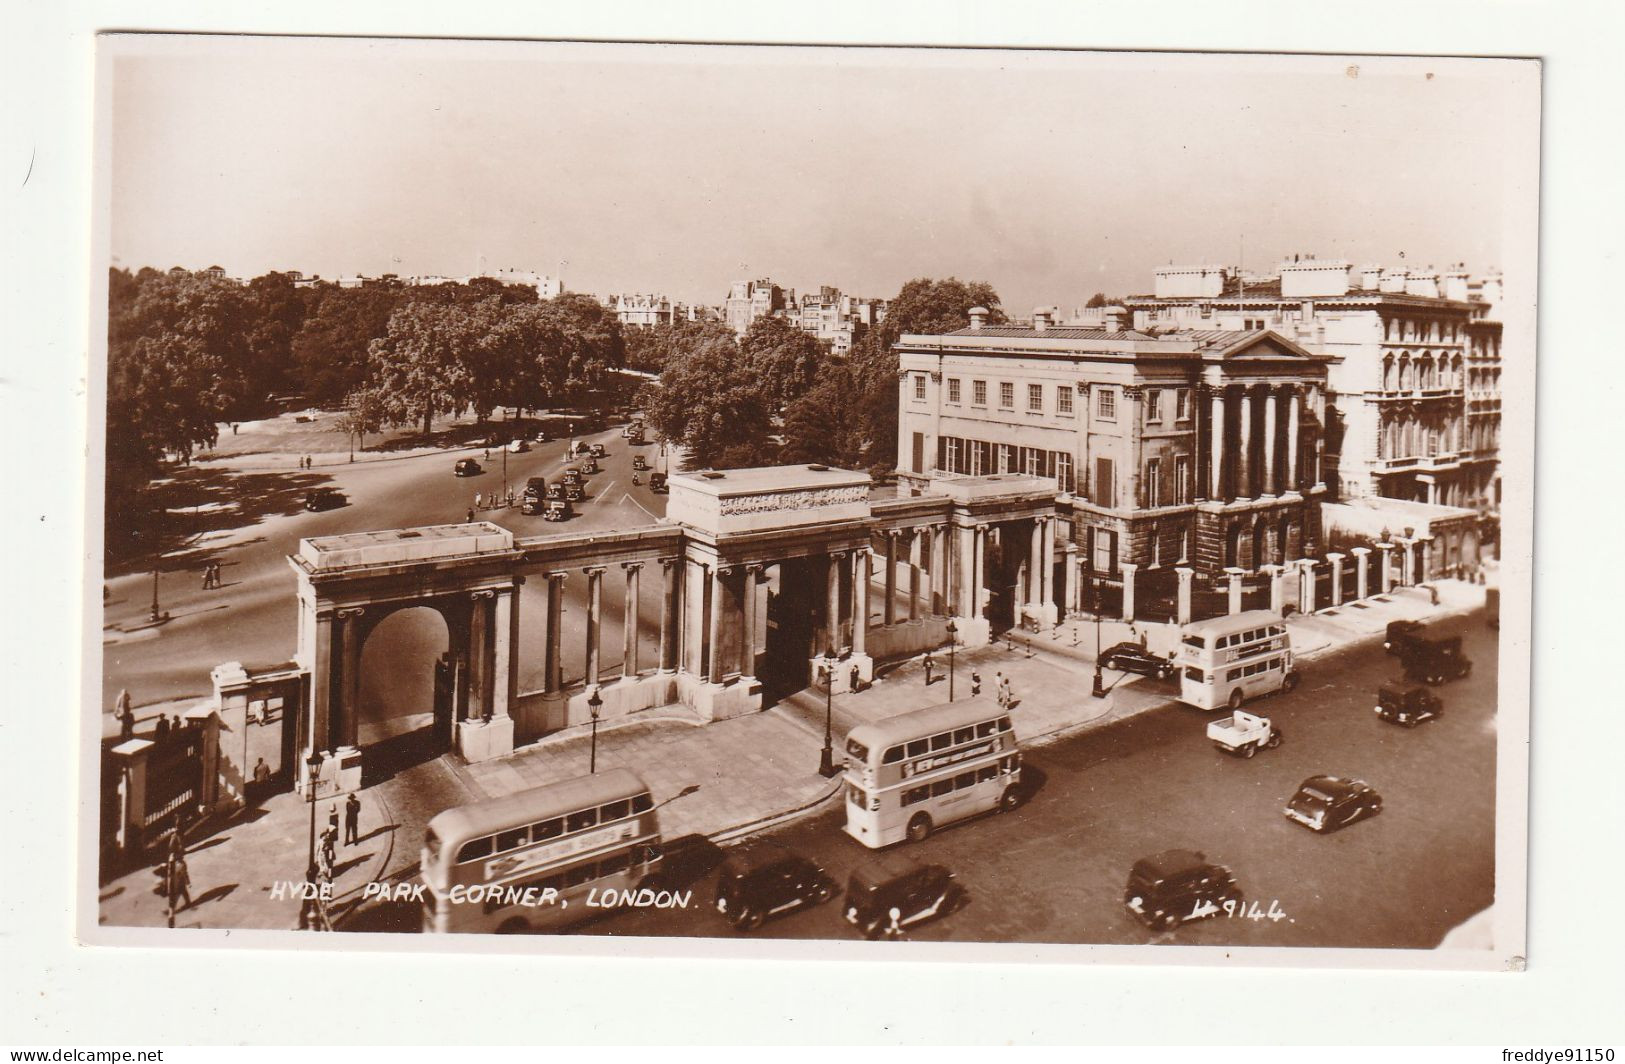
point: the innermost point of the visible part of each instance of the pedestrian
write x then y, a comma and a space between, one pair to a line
929, 665
998, 686
333, 818
479, 500
1433, 594
178, 881
1009, 694
975, 683
855, 679
234, 428
329, 851
352, 820
160, 731
124, 714
471, 515
208, 573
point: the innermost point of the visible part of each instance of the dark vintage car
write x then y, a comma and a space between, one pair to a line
558, 510
572, 476
324, 499
575, 492
1133, 657
1434, 661
1402, 636
598, 451
589, 465
1408, 706
1327, 803
467, 467
533, 499
1173, 886
657, 483
890, 894
639, 462
758, 882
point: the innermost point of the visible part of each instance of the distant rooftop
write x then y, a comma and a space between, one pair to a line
1054, 332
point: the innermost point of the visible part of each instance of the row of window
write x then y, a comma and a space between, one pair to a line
979, 458
945, 740
553, 827
950, 784
1154, 400
1255, 669
613, 865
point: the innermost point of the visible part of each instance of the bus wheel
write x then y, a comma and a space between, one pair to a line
1009, 800
1235, 700
919, 828
1291, 681
515, 926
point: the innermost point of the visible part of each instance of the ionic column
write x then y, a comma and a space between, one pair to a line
1216, 441
1235, 575
1128, 569
504, 628
553, 681
833, 593
629, 621
1387, 571
1047, 573
479, 641
668, 614
595, 596
1427, 559
1407, 563
1361, 577
1306, 584
1035, 563
321, 684
1069, 577
1294, 398
719, 600
1269, 442
1244, 449
1337, 577
914, 578
978, 571
747, 639
349, 707
942, 570
1185, 574
891, 578
860, 600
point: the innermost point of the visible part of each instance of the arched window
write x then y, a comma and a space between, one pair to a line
1406, 382
1388, 374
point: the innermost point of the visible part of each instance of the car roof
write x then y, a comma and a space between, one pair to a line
1169, 863
1330, 784
760, 854
883, 868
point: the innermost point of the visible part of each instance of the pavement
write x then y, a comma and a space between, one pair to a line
720, 780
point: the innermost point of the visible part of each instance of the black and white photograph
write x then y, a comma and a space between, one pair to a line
691, 496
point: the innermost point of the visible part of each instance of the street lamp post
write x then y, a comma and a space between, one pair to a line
594, 703
826, 759
314, 764
1099, 688
953, 631
154, 614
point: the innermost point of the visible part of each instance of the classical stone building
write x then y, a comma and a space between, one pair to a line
749, 300
1415, 376
1197, 448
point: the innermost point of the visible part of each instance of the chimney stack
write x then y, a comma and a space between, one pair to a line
1116, 319
1041, 320
978, 317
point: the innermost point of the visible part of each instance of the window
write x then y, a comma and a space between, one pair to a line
1063, 399
1182, 404
951, 459
475, 849
942, 741
892, 756
513, 838
1006, 458
964, 779
615, 864
1004, 724
552, 829
919, 386
580, 874
953, 389
916, 795
978, 393
1032, 461
1063, 471
586, 818
1182, 479
917, 747
1105, 552
642, 804
1107, 407
1153, 405
1035, 398
1007, 395
963, 735
615, 811
1153, 482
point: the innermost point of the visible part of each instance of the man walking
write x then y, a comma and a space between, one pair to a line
177, 880
998, 686
352, 820
975, 683
124, 715
929, 665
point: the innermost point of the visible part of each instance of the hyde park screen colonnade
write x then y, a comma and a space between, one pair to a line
768, 579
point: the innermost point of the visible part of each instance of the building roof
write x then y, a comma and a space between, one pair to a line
1055, 332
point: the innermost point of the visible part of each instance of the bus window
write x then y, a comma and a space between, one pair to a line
1193, 674
474, 849
1233, 674
614, 863
986, 728
642, 803
586, 818
580, 874
1196, 642
963, 780
892, 756
916, 795
857, 750
916, 747
547, 829
987, 772
1004, 724
513, 838
615, 811
964, 735
1010, 764
942, 740
942, 787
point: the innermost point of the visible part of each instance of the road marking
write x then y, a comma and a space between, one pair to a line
628, 497
611, 484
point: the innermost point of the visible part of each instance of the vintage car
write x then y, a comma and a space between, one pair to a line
1171, 887
467, 467
757, 882
1134, 657
589, 465
533, 498
639, 462
519, 445
1401, 637
1409, 707
572, 476
890, 893
657, 483
558, 510
1327, 803
1434, 661
598, 451
324, 499
575, 492
1244, 734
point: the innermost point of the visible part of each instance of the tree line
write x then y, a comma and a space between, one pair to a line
777, 395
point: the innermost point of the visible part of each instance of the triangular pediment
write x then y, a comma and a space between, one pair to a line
1262, 345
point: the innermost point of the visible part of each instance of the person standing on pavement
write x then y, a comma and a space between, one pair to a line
124, 715
479, 500
929, 665
999, 688
975, 683
352, 820
177, 880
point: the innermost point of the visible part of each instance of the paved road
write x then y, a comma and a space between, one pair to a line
252, 617
1055, 870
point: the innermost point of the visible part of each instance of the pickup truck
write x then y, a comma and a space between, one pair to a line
1244, 734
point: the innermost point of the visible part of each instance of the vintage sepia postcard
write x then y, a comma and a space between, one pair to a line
918, 502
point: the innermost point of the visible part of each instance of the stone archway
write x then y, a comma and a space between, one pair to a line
407, 686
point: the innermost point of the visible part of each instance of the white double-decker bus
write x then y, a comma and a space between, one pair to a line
911, 774
528, 860
1228, 660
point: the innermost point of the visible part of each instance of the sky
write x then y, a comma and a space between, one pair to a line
680, 169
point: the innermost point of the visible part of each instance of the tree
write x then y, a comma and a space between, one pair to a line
563, 348
826, 423
331, 347
417, 366
714, 403
276, 313
363, 413
1098, 300
786, 357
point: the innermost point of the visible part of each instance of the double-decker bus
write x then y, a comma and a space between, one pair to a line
528, 860
910, 774
1227, 660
